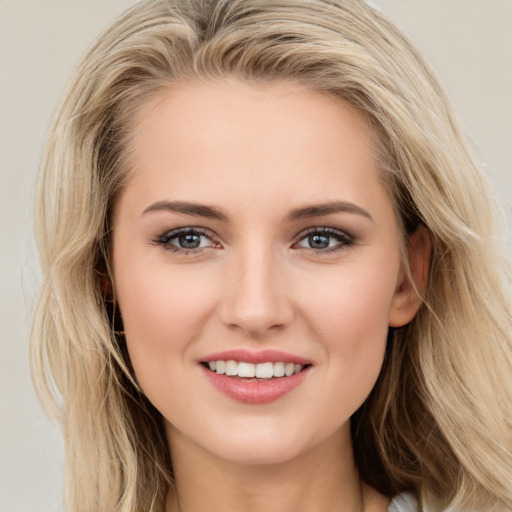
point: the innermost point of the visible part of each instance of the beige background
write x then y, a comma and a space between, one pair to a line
469, 42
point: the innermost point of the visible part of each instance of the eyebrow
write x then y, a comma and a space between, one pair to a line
318, 210
211, 212
195, 209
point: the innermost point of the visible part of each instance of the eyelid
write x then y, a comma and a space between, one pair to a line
164, 239
173, 233
345, 239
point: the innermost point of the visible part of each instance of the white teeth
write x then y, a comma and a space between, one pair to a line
221, 367
250, 370
278, 369
246, 369
265, 370
231, 368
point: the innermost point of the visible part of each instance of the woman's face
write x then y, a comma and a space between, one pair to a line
255, 237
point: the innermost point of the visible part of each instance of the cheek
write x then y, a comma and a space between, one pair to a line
163, 312
348, 307
351, 319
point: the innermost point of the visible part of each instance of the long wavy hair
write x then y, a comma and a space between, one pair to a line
439, 420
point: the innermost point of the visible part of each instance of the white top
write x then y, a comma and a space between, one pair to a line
404, 502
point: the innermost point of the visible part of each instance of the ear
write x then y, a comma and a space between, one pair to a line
409, 289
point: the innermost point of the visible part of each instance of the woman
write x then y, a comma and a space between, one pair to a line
273, 278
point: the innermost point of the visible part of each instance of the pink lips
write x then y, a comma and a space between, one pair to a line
255, 391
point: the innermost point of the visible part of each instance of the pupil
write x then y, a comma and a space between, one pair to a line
318, 241
189, 241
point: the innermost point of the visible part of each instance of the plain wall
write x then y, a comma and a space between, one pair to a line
469, 43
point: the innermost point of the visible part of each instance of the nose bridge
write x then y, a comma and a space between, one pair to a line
255, 300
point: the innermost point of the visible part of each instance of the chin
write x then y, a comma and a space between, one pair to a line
262, 442
259, 452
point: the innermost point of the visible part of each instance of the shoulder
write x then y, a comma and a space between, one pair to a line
404, 502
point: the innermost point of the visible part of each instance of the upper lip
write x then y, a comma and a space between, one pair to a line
251, 356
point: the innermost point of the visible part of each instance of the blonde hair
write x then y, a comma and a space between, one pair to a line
438, 421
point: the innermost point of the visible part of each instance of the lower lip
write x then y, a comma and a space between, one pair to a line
255, 391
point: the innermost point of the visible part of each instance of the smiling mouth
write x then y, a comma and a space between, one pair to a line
254, 371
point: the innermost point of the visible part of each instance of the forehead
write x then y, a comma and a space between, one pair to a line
197, 139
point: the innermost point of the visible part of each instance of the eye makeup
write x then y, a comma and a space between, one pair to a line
324, 240
193, 240
186, 240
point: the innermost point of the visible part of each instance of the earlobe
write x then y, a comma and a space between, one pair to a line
410, 287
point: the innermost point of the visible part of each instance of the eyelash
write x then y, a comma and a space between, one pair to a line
164, 240
345, 240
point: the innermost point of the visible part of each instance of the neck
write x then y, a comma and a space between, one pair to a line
321, 479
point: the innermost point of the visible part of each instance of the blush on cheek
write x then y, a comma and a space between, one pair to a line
357, 336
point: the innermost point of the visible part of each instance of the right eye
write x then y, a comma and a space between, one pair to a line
185, 240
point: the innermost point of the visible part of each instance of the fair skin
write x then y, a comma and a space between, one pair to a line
237, 168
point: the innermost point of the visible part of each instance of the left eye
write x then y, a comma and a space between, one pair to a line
324, 240
186, 240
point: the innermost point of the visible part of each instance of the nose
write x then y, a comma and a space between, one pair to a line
255, 297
